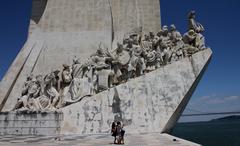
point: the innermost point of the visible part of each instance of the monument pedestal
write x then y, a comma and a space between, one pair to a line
150, 103
30, 123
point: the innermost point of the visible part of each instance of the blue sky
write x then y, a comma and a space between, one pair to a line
219, 90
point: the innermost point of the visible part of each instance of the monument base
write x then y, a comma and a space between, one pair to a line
30, 123
150, 103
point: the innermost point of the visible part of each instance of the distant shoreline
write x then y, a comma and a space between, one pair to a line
226, 118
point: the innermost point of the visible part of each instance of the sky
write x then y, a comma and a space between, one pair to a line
219, 89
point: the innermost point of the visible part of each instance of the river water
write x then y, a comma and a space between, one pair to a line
212, 133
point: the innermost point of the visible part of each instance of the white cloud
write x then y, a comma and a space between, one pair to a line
205, 97
232, 98
213, 99
212, 103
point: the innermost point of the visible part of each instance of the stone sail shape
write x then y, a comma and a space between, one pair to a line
62, 29
150, 103
131, 15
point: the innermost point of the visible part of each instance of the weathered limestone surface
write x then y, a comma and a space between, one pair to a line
150, 103
30, 123
72, 28
62, 29
132, 14
135, 13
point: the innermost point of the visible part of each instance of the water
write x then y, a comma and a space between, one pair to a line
212, 133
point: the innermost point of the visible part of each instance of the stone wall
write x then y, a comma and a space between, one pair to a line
30, 123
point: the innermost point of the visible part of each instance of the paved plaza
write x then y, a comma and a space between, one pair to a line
152, 139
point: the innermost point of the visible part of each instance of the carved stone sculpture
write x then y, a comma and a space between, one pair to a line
98, 60
77, 71
50, 90
23, 100
104, 69
198, 28
137, 64
120, 60
193, 24
189, 38
165, 45
177, 44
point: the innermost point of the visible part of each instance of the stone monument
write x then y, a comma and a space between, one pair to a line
87, 63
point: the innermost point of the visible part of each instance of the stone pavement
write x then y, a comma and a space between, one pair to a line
147, 139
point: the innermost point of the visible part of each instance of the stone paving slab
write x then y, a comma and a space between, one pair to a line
147, 139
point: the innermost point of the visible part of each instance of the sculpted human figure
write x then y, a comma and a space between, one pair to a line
174, 57
102, 74
151, 36
198, 28
71, 76
40, 81
42, 101
32, 92
77, 68
174, 35
117, 58
135, 34
80, 84
177, 43
128, 45
98, 60
50, 91
137, 63
146, 44
119, 63
154, 40
94, 83
151, 62
189, 38
67, 78
27, 84
66, 74
157, 48
165, 45
23, 100
193, 24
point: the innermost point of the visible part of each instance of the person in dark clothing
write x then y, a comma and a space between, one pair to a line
119, 133
114, 131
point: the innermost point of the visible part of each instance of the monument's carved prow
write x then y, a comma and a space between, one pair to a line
96, 61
